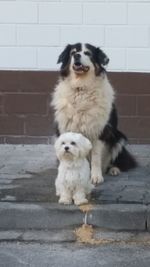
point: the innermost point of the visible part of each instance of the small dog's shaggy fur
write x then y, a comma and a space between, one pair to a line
73, 180
83, 102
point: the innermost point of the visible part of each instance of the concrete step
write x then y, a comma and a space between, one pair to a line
69, 235
44, 236
45, 216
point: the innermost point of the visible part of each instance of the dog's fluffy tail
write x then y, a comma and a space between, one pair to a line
120, 156
125, 160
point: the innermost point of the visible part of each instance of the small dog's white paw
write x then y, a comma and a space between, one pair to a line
114, 171
80, 201
65, 201
97, 179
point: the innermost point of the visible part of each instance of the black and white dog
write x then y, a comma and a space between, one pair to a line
83, 101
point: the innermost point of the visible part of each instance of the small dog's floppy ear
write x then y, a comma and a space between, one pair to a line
102, 59
85, 146
64, 56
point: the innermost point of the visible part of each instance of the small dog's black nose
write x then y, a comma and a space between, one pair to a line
66, 148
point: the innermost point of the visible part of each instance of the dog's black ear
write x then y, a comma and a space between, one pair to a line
102, 59
64, 56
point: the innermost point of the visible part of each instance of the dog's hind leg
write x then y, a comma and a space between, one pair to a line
114, 171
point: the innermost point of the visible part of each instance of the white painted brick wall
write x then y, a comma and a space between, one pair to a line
60, 13
18, 58
28, 35
86, 34
18, 12
104, 13
33, 32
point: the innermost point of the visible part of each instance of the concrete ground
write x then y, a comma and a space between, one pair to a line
36, 231
27, 176
75, 255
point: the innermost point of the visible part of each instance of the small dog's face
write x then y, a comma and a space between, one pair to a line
72, 146
82, 58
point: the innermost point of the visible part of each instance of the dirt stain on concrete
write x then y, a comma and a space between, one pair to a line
85, 233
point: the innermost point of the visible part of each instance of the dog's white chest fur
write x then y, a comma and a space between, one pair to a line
73, 176
83, 107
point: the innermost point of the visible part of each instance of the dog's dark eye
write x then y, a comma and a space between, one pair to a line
63, 143
87, 53
73, 143
73, 53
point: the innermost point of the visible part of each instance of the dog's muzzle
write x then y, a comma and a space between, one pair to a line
78, 66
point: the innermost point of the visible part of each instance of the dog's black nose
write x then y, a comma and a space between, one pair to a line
66, 148
77, 56
77, 59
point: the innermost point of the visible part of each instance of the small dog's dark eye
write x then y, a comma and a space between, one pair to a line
87, 53
73, 143
63, 143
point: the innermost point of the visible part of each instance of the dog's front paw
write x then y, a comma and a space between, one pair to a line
114, 171
80, 201
97, 179
65, 201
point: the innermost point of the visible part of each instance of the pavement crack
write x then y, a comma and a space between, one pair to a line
2, 166
31, 173
146, 225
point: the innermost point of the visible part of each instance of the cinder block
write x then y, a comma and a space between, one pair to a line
34, 35
7, 35
60, 13
18, 12
72, 34
117, 58
138, 59
47, 57
139, 13
105, 13
127, 36
16, 57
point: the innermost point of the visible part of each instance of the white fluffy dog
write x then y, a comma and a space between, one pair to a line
73, 179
